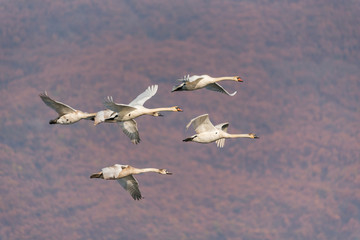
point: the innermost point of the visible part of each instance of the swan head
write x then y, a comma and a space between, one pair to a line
165, 172
177, 109
238, 79
253, 135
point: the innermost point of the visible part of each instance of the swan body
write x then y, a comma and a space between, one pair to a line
204, 81
124, 175
67, 114
206, 132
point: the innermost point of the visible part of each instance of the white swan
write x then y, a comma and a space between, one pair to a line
135, 108
204, 81
124, 114
124, 175
67, 114
206, 132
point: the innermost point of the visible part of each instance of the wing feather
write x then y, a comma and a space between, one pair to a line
130, 129
218, 88
143, 97
220, 143
121, 109
222, 126
59, 107
201, 124
130, 184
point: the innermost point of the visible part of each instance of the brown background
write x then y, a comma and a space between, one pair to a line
300, 64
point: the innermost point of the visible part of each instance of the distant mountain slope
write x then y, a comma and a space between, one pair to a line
299, 61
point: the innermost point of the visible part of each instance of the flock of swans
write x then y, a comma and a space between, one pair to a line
125, 114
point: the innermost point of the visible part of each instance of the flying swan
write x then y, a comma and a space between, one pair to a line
124, 175
204, 81
67, 114
206, 132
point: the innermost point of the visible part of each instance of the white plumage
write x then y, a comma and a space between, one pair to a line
206, 132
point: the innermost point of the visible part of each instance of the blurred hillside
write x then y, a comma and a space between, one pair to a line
301, 91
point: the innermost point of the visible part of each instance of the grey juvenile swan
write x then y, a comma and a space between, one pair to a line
124, 175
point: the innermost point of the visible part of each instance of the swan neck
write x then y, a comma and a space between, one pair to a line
143, 170
161, 109
223, 78
238, 135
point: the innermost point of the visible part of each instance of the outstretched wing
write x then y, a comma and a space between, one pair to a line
142, 98
222, 126
130, 129
130, 184
121, 109
218, 88
59, 107
201, 124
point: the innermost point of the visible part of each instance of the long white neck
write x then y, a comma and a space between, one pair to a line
86, 115
224, 78
228, 135
143, 170
151, 111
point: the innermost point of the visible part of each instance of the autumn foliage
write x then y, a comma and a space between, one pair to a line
301, 92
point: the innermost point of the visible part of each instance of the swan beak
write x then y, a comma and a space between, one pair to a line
178, 109
169, 173
239, 79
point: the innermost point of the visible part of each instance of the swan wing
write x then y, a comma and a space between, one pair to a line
121, 109
201, 124
130, 184
143, 97
130, 129
59, 107
220, 143
218, 88
193, 78
185, 78
222, 126
178, 87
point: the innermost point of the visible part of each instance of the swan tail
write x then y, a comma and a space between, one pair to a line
189, 139
97, 175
